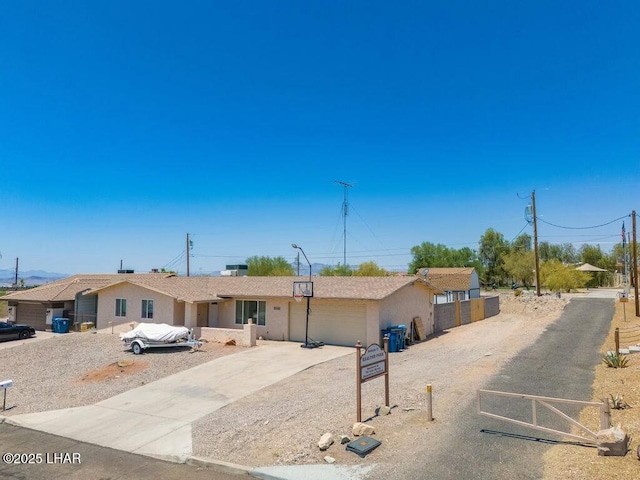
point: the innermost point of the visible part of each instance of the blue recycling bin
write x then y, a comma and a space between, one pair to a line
403, 335
399, 335
60, 325
394, 339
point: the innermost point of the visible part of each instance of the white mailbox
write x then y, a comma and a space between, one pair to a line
6, 384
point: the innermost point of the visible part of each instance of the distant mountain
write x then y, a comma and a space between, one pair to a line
30, 277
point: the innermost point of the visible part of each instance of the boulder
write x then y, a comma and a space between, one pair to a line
325, 441
329, 459
344, 439
360, 428
613, 442
384, 410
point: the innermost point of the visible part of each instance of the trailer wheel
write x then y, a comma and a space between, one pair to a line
137, 349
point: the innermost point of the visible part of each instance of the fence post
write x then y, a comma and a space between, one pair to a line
617, 335
605, 416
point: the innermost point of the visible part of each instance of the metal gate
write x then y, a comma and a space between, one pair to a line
591, 437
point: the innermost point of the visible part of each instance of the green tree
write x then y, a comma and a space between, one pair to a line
260, 266
568, 253
522, 242
595, 256
370, 269
548, 251
520, 265
492, 248
559, 277
428, 254
337, 271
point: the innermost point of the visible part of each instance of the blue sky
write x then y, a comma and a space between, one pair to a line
126, 125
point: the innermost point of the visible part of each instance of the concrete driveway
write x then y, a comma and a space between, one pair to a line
156, 419
40, 336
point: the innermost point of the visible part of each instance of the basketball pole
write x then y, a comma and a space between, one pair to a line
306, 330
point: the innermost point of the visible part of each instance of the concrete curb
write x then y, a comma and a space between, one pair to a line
225, 467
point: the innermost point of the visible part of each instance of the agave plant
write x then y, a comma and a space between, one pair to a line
615, 360
618, 402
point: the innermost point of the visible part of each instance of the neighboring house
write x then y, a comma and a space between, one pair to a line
343, 310
457, 283
63, 298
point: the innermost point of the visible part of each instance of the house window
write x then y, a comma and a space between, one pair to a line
121, 307
254, 309
147, 308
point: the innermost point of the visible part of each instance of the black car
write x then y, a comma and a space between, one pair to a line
11, 331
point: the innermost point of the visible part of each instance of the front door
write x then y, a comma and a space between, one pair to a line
213, 315
203, 313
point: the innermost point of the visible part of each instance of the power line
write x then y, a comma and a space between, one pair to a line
583, 228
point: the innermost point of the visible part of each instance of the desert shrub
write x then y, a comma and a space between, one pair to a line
615, 360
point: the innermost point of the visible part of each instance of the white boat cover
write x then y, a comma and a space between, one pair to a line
156, 332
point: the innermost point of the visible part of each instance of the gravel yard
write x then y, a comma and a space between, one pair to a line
78, 369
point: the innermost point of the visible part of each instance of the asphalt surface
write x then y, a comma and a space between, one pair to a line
560, 364
58, 458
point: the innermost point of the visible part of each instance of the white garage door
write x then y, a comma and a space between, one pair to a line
334, 323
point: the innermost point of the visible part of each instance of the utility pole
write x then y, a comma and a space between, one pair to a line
298, 263
188, 254
345, 208
16, 282
635, 262
535, 242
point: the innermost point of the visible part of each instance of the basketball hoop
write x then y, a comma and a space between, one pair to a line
298, 298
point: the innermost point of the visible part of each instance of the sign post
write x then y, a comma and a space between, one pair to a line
3, 386
373, 363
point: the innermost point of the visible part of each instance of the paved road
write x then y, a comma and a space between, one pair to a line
560, 364
95, 463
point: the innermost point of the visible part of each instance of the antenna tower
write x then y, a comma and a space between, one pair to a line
345, 209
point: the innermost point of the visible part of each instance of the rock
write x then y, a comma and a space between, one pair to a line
329, 459
344, 439
230, 342
125, 363
360, 428
325, 441
613, 442
384, 410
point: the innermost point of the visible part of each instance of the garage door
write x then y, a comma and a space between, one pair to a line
334, 323
34, 314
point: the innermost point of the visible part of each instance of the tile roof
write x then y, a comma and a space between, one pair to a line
195, 289
448, 279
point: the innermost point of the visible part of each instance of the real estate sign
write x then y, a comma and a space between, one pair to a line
373, 363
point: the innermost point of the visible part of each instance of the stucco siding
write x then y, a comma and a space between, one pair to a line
276, 322
163, 306
404, 305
